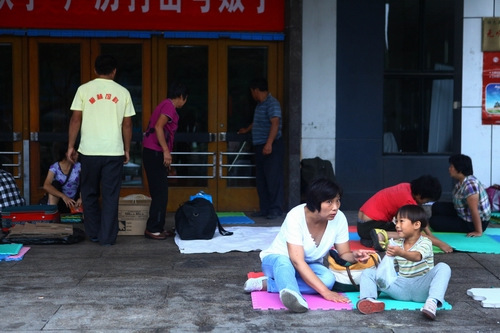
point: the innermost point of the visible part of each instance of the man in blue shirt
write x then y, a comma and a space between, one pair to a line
269, 150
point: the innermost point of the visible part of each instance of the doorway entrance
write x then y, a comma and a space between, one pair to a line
12, 107
209, 155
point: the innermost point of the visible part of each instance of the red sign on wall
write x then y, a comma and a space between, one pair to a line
491, 88
156, 15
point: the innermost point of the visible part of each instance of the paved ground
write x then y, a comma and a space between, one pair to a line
141, 285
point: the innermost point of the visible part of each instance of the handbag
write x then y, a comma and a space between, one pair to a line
197, 219
347, 276
494, 196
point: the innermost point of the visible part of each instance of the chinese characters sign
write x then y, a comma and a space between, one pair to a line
160, 15
491, 34
491, 88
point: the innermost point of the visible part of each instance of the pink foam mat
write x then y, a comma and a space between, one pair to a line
262, 300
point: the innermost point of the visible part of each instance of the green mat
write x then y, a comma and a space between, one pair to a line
487, 243
10, 249
392, 304
223, 214
234, 218
495, 217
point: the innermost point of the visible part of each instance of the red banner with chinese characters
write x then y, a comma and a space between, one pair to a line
491, 88
156, 15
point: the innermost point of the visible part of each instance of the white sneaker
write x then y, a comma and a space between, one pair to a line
255, 284
293, 301
429, 309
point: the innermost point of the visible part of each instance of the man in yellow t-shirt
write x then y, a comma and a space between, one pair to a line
102, 111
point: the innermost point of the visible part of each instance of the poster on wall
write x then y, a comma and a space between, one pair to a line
491, 88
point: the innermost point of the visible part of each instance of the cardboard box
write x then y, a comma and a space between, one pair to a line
46, 230
133, 213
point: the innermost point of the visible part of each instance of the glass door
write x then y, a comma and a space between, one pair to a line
58, 68
209, 155
55, 74
239, 63
134, 73
11, 108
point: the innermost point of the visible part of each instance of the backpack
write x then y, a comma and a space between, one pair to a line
313, 168
494, 197
197, 219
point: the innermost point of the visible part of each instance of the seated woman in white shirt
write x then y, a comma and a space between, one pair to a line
293, 264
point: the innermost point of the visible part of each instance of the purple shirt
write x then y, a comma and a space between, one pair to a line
166, 107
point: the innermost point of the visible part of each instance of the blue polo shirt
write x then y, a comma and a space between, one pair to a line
264, 111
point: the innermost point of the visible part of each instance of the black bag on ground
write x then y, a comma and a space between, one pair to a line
197, 219
313, 168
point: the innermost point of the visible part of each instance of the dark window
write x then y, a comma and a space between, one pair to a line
419, 76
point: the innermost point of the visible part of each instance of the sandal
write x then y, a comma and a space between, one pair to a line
377, 243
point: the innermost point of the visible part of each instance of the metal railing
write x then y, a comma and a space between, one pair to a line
13, 165
234, 164
207, 165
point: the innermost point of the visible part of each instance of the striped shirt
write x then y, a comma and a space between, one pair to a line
410, 269
264, 111
471, 185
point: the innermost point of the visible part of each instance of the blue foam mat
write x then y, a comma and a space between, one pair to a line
489, 242
392, 304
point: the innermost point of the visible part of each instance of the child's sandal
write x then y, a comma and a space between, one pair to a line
379, 245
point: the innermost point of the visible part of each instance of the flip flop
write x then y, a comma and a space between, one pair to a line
377, 243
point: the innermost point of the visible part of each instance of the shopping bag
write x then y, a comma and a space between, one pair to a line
386, 272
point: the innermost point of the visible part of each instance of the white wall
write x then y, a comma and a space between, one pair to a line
480, 142
318, 79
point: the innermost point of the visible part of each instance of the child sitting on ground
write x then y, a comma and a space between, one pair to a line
419, 280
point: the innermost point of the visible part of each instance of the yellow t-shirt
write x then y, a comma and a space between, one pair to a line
104, 103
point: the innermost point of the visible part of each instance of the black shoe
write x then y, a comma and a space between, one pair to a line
151, 235
366, 242
273, 214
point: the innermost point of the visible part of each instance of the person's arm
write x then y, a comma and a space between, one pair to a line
436, 241
345, 253
50, 189
127, 137
162, 141
74, 128
396, 250
273, 132
473, 203
296, 254
245, 129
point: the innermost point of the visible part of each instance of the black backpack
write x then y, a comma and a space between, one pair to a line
197, 219
313, 168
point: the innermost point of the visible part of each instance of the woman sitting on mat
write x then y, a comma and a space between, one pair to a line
293, 264
63, 183
470, 211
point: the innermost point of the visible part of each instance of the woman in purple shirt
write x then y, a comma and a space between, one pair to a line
158, 142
